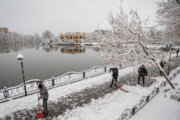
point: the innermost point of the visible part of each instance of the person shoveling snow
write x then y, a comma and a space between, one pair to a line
114, 76
44, 96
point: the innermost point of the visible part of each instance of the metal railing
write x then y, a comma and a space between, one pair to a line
18, 91
129, 112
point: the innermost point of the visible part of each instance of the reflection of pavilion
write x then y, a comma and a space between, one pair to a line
73, 49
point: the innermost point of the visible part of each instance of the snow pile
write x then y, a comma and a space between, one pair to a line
174, 94
164, 106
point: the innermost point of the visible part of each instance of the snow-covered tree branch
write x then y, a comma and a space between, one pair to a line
126, 44
168, 15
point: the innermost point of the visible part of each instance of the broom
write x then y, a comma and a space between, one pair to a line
39, 113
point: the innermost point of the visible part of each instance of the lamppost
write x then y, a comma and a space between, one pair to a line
21, 57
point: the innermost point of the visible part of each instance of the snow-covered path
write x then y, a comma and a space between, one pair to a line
69, 97
161, 107
109, 107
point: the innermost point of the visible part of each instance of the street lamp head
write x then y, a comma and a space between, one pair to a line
20, 57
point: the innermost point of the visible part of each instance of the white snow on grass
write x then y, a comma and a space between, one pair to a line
161, 107
31, 101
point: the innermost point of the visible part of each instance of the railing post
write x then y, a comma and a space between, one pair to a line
157, 90
164, 84
133, 110
105, 69
84, 74
147, 99
53, 81
6, 93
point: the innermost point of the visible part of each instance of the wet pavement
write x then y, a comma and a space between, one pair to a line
85, 96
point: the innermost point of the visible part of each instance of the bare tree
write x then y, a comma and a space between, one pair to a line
126, 44
47, 34
168, 15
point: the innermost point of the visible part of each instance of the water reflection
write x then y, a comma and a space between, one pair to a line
43, 62
16, 47
50, 48
6, 47
9, 47
73, 49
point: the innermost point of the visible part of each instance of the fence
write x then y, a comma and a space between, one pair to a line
18, 91
126, 114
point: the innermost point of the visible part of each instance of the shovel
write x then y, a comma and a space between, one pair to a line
39, 113
117, 86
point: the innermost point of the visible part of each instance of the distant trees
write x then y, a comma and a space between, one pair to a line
20, 38
168, 15
4, 37
91, 37
47, 34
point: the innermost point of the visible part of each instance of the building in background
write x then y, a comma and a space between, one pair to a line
5, 30
72, 37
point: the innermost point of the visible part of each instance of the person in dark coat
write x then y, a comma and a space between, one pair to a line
142, 73
44, 95
177, 52
114, 76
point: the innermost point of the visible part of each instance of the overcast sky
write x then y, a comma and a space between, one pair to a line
31, 16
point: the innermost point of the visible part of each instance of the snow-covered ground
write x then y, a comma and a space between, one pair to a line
31, 101
111, 106
161, 107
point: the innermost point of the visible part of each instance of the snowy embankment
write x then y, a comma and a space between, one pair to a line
164, 106
31, 101
113, 104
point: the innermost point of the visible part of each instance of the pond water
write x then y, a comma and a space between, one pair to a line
44, 62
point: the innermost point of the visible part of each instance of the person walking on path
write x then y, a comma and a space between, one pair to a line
142, 73
44, 96
114, 76
177, 52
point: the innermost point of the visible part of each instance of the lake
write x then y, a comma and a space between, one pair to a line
44, 62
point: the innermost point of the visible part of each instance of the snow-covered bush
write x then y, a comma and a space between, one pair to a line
50, 41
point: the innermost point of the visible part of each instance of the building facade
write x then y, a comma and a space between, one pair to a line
72, 37
5, 30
